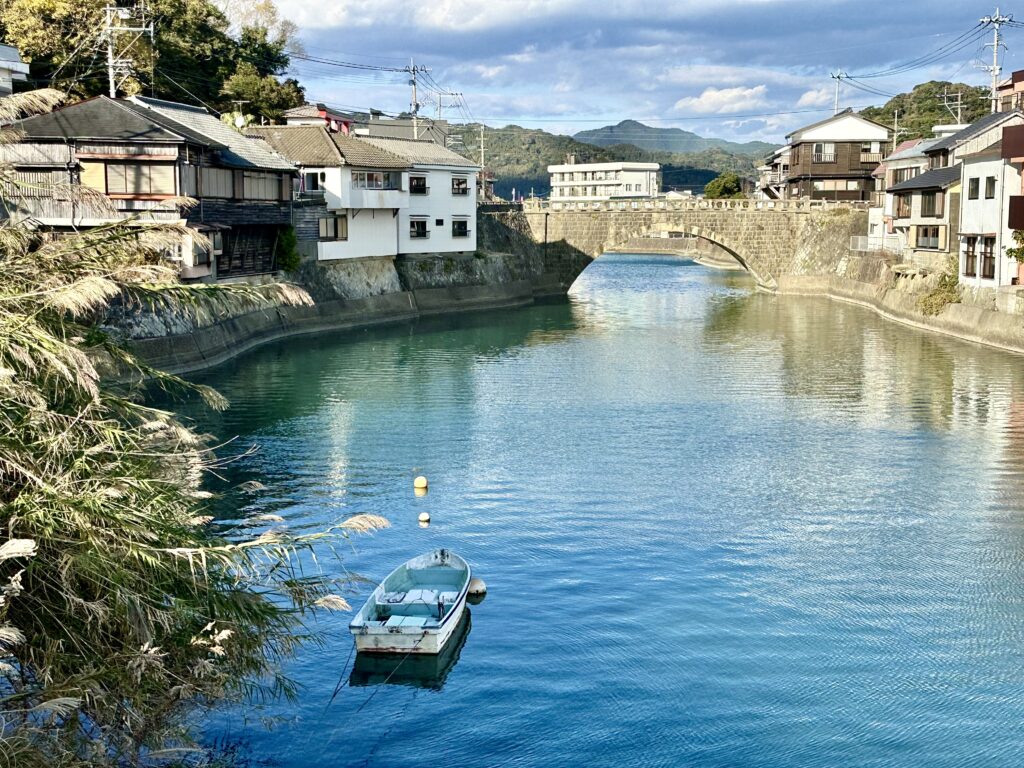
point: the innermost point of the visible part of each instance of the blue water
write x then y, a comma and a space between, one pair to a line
718, 529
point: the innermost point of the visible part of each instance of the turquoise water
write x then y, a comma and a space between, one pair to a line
718, 529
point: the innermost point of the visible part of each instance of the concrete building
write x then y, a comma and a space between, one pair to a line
363, 188
773, 175
988, 181
833, 159
588, 182
12, 68
442, 197
319, 114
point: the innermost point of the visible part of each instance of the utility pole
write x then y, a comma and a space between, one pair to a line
440, 100
413, 69
838, 77
483, 170
996, 20
949, 104
117, 21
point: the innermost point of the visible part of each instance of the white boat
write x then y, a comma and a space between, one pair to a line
416, 608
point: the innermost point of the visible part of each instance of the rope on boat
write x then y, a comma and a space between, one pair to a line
391, 674
341, 678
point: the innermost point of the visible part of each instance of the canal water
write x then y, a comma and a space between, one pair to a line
718, 528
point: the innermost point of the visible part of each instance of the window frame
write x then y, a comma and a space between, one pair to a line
460, 186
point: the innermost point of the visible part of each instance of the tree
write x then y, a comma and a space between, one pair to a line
727, 185
120, 606
266, 95
922, 109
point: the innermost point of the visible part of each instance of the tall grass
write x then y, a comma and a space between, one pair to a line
119, 609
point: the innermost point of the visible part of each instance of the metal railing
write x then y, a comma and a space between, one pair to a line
873, 243
871, 157
683, 204
421, 235
823, 157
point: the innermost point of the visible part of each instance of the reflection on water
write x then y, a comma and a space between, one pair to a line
718, 528
415, 670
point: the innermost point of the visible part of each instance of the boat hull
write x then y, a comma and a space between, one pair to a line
423, 641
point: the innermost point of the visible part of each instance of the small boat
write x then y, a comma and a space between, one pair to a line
418, 671
416, 608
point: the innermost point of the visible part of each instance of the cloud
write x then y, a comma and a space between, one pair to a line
817, 97
723, 101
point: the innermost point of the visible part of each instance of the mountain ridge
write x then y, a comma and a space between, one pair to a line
674, 140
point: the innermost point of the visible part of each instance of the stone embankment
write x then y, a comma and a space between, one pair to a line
507, 269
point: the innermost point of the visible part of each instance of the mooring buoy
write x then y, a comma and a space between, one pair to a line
477, 587
424, 517
419, 482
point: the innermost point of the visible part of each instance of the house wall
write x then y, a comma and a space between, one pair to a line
848, 128
439, 205
371, 232
988, 217
948, 224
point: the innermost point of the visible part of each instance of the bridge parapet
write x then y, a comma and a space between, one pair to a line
536, 204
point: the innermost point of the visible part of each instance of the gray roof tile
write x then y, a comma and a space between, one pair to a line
939, 178
421, 152
978, 126
238, 150
365, 154
306, 145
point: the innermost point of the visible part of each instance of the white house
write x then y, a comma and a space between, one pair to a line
365, 188
11, 68
441, 213
587, 182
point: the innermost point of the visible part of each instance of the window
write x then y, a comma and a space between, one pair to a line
927, 237
418, 185
334, 228
311, 182
824, 152
871, 147
902, 206
373, 180
438, 222
972, 188
932, 204
460, 228
140, 179
988, 258
990, 188
261, 186
460, 185
215, 182
903, 174
970, 256
418, 229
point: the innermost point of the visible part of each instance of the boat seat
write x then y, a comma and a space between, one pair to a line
393, 597
406, 621
428, 596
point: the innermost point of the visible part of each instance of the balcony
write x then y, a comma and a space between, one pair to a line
878, 199
823, 157
378, 198
870, 157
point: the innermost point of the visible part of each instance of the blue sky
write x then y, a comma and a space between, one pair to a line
738, 69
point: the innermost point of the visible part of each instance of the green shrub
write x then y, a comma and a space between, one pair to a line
946, 292
288, 250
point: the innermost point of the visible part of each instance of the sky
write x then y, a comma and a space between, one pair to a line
736, 69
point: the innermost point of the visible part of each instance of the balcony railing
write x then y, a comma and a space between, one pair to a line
823, 157
419, 190
419, 234
460, 190
878, 199
871, 157
463, 233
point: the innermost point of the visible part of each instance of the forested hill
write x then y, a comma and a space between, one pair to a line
667, 140
520, 156
922, 108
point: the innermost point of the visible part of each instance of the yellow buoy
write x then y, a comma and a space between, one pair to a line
419, 482
477, 587
424, 517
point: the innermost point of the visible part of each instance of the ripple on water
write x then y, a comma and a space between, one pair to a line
718, 529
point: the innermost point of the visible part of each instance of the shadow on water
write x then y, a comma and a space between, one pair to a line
413, 670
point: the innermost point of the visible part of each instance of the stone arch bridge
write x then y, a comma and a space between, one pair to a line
770, 239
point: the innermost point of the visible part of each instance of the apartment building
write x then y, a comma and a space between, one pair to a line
588, 182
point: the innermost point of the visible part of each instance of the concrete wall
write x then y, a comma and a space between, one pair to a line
512, 270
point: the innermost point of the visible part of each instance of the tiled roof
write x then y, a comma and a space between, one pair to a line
365, 154
306, 110
917, 148
975, 128
421, 152
939, 178
307, 145
238, 150
106, 119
